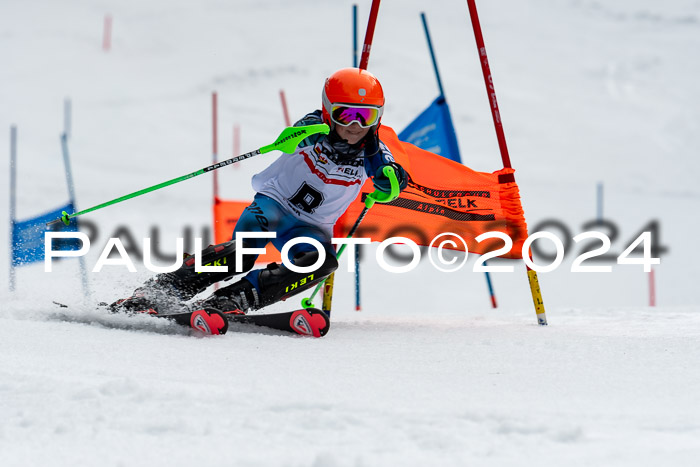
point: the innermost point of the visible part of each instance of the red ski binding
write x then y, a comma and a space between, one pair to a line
209, 321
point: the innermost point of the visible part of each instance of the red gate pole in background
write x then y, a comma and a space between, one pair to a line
215, 157
490, 90
214, 144
236, 141
285, 110
107, 33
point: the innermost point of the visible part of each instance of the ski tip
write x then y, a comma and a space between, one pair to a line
209, 321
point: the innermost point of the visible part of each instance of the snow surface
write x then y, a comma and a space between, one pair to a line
427, 373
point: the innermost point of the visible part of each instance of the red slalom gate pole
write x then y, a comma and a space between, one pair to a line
498, 124
236, 141
369, 35
107, 33
215, 157
285, 111
490, 90
214, 144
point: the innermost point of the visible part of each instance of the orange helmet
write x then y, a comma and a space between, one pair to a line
356, 87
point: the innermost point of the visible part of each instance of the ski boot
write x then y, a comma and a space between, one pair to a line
270, 285
169, 291
237, 298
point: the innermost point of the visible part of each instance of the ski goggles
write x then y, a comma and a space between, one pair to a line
365, 115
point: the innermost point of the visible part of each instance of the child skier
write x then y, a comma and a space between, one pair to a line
298, 195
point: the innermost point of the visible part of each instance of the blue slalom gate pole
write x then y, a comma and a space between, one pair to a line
67, 117
492, 294
490, 287
13, 200
354, 35
432, 53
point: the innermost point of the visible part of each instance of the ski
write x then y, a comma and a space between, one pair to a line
306, 322
206, 320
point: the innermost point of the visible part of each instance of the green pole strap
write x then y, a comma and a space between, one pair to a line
286, 142
290, 138
375, 197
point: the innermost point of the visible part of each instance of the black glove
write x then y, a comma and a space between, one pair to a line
383, 183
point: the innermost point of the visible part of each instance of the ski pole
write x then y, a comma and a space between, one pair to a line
286, 142
374, 197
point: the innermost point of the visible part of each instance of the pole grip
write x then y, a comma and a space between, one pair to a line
382, 197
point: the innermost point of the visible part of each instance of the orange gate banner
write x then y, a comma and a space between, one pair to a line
442, 196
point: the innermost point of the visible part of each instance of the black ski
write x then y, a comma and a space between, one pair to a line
306, 322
